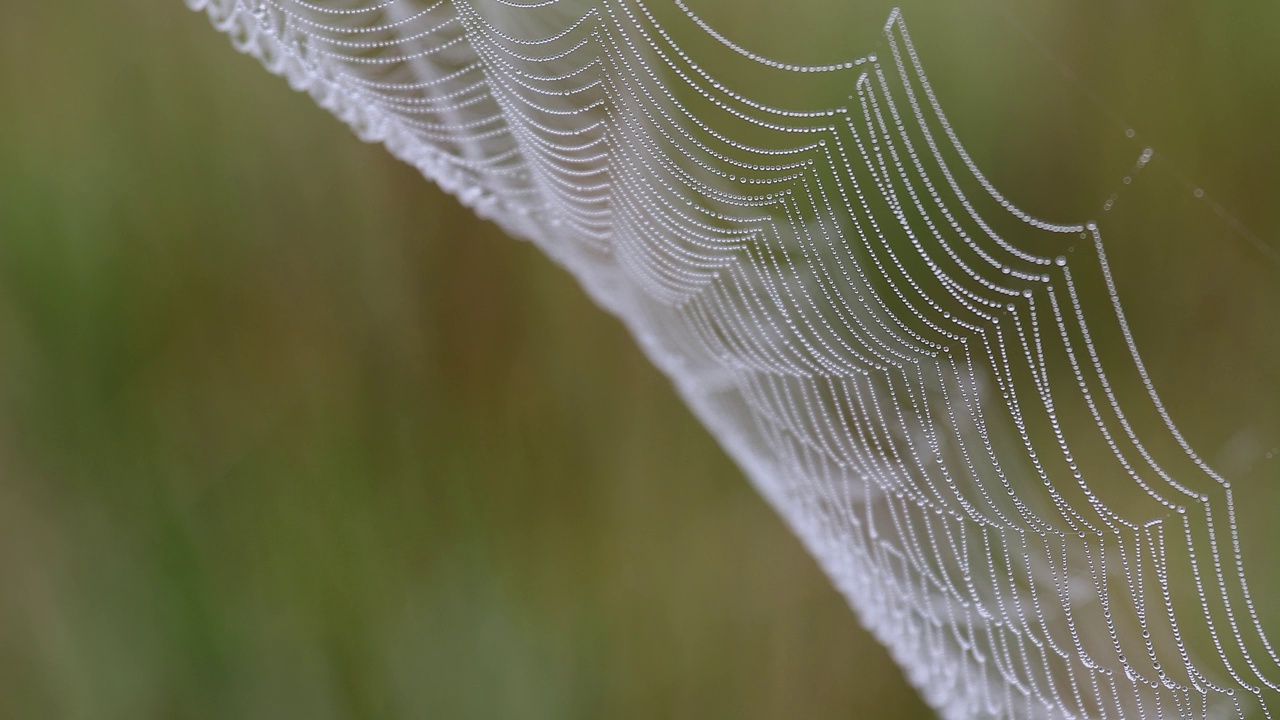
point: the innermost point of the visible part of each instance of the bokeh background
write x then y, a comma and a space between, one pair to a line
285, 432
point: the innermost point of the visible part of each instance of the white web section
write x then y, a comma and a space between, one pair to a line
874, 333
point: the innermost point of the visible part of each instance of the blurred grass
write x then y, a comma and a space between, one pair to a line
284, 432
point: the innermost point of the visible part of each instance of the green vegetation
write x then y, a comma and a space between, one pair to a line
285, 432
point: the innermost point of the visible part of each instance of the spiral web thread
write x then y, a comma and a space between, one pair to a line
877, 336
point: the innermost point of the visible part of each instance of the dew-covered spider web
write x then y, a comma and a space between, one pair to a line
938, 390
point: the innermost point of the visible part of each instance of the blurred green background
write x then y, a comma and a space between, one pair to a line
285, 432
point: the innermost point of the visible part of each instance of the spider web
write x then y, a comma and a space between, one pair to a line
922, 378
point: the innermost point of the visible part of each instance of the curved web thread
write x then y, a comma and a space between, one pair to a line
875, 333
